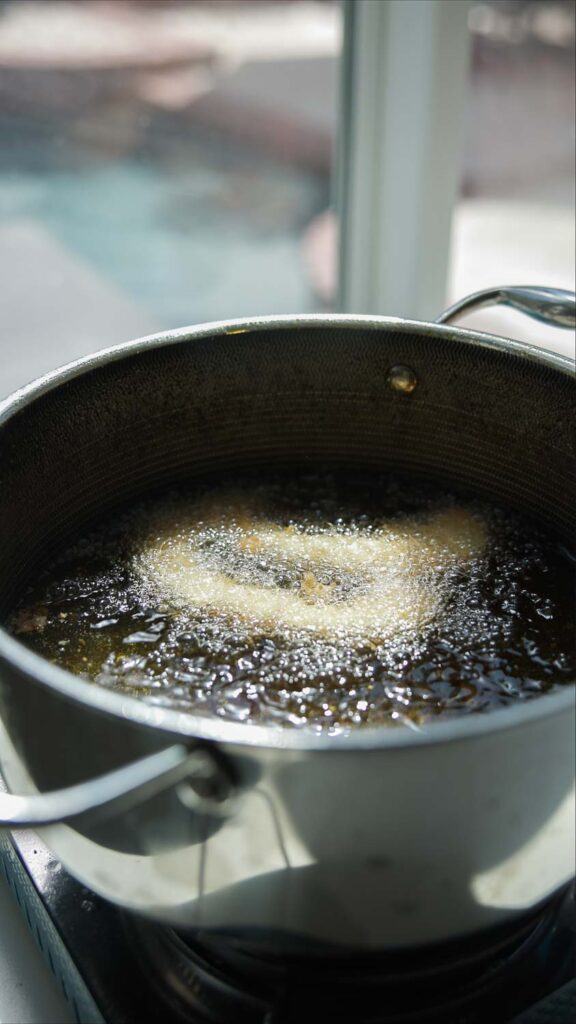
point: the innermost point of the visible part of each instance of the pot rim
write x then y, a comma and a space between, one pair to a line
210, 728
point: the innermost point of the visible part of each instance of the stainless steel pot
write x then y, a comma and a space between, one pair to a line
379, 838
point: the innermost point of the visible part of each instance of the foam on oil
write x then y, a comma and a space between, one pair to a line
325, 601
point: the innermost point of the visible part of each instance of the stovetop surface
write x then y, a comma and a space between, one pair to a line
114, 969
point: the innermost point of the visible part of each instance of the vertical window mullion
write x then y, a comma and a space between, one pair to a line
404, 76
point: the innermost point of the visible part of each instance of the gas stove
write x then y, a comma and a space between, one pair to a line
115, 968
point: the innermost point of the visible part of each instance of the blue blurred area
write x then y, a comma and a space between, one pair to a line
190, 225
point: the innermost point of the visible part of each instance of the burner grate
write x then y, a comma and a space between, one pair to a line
459, 983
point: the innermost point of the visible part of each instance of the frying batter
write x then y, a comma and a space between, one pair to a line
393, 570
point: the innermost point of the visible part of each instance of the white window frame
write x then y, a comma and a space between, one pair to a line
403, 87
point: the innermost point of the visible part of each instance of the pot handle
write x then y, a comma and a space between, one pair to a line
123, 788
554, 306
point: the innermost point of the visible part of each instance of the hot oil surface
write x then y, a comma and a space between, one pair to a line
320, 600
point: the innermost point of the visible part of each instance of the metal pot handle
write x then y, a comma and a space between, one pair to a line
554, 306
121, 789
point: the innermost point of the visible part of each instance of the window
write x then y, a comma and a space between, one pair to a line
161, 164
165, 162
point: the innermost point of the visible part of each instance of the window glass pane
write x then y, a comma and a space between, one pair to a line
515, 221
161, 164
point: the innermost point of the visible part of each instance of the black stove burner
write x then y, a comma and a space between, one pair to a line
119, 969
461, 982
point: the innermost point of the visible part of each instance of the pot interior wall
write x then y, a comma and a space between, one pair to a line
485, 419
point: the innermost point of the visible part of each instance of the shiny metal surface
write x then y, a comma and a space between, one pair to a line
378, 838
167, 977
554, 306
118, 791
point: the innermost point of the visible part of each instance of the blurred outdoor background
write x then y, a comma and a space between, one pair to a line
166, 162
